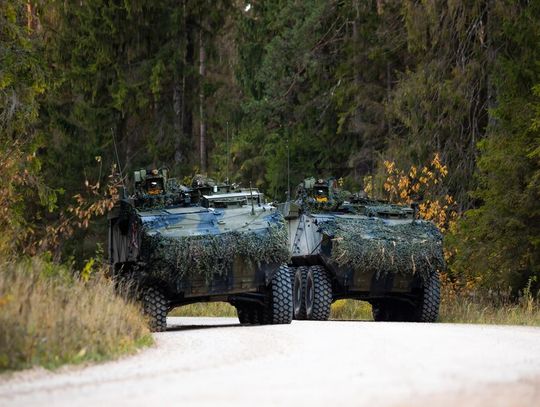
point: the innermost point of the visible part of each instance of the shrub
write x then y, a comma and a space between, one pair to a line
48, 317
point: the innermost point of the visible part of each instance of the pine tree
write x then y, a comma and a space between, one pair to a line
499, 242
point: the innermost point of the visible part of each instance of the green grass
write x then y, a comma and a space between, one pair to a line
50, 318
351, 310
205, 309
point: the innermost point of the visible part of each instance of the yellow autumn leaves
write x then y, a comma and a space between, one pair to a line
419, 184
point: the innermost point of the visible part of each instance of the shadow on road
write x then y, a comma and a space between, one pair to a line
351, 320
194, 327
191, 327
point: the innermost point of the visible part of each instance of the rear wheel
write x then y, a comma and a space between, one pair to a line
251, 314
155, 307
427, 309
243, 314
299, 290
318, 294
279, 307
386, 311
292, 273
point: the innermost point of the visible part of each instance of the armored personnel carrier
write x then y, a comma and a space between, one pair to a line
349, 246
179, 245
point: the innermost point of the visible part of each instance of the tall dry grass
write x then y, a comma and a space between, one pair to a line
48, 317
470, 304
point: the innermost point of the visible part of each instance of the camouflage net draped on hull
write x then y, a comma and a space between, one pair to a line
371, 245
172, 259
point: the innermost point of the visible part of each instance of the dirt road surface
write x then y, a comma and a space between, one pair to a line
215, 361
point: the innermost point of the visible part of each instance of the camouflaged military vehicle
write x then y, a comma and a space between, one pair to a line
180, 245
349, 246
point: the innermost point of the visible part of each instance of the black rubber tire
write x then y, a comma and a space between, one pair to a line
279, 307
425, 310
318, 294
428, 306
243, 314
251, 314
379, 312
390, 311
155, 307
299, 290
292, 272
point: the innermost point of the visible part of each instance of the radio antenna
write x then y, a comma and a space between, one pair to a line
251, 196
228, 153
119, 164
288, 172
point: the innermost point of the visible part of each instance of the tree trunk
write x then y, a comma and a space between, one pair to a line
202, 133
179, 94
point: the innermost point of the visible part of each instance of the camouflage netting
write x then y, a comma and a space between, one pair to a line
371, 245
172, 259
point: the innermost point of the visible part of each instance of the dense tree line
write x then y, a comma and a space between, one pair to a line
246, 89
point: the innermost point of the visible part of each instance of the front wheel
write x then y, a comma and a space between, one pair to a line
318, 294
155, 307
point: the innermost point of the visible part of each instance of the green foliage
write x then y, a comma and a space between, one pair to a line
323, 88
49, 317
286, 71
499, 242
22, 77
23, 80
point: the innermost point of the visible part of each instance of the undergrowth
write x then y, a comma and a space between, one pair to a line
49, 317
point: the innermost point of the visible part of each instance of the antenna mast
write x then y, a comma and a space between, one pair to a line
288, 172
228, 153
251, 195
119, 164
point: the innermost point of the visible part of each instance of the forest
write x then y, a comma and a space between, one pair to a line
269, 92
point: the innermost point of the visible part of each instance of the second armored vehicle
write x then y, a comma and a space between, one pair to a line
180, 245
346, 246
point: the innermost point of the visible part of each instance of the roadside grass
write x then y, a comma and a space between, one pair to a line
48, 317
487, 308
347, 310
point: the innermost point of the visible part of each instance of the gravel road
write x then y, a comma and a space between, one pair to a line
215, 361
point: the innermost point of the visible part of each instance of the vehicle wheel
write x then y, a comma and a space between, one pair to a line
243, 314
292, 272
378, 312
385, 311
427, 309
279, 308
299, 289
155, 307
318, 294
249, 314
